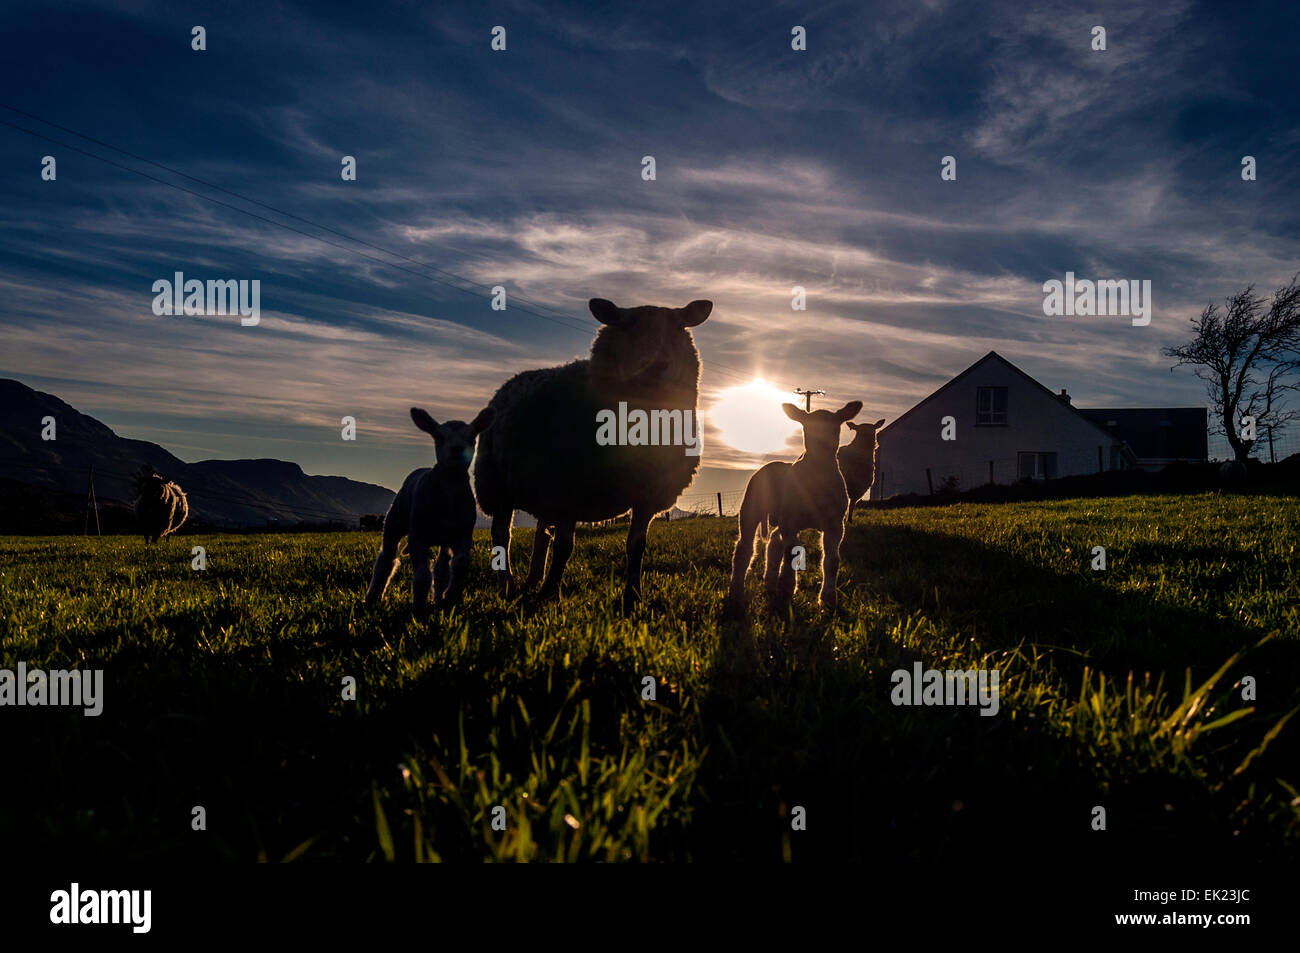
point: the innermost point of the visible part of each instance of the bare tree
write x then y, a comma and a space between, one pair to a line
1246, 355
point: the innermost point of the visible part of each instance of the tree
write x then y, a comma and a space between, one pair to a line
1246, 354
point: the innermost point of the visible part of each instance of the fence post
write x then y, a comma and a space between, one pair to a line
719, 505
929, 480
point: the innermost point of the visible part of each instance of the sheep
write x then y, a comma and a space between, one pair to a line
434, 509
160, 506
544, 456
858, 461
788, 497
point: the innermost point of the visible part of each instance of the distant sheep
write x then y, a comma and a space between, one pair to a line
788, 497
858, 461
542, 456
160, 506
435, 510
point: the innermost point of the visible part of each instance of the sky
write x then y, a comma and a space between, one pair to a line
523, 168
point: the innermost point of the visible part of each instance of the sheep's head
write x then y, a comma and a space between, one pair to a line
864, 435
821, 428
148, 483
648, 343
453, 442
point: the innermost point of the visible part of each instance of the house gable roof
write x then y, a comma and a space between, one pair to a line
994, 355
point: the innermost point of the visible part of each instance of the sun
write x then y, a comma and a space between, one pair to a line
750, 418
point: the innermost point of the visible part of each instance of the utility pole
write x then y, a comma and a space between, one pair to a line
808, 396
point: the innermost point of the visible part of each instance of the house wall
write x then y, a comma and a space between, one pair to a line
1036, 422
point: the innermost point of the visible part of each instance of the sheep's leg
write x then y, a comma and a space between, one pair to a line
441, 572
560, 553
421, 579
537, 565
386, 562
771, 571
501, 541
636, 541
788, 580
741, 559
459, 571
831, 538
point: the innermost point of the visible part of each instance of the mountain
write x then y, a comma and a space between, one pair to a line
224, 493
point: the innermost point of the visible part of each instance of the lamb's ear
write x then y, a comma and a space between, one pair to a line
849, 410
605, 311
483, 421
794, 413
424, 421
695, 313
879, 423
853, 426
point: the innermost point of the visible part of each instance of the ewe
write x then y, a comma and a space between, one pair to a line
789, 497
858, 461
160, 506
435, 509
543, 455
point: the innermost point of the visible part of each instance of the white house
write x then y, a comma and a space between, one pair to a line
1002, 426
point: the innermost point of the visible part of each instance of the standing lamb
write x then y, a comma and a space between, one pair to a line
789, 497
544, 457
858, 461
160, 506
435, 509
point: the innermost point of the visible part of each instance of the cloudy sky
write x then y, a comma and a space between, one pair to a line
775, 168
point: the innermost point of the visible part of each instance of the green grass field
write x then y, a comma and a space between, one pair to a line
1119, 688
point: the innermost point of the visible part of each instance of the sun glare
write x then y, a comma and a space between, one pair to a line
749, 418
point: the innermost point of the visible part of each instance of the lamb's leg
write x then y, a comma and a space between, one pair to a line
636, 540
501, 538
459, 571
831, 538
742, 557
560, 553
440, 575
771, 571
421, 579
788, 580
537, 565
386, 562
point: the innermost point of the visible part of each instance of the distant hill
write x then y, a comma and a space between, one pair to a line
223, 493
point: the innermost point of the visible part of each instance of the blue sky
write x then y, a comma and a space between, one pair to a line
775, 168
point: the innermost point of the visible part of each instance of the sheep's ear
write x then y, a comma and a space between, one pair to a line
695, 313
605, 311
853, 426
879, 423
483, 421
794, 413
849, 410
424, 421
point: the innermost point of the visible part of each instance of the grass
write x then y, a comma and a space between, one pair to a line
1119, 688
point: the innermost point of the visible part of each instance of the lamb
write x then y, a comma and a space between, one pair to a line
789, 497
434, 509
544, 455
858, 461
160, 506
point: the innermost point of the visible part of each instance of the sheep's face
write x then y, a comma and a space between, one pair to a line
453, 441
646, 340
821, 428
864, 435
149, 485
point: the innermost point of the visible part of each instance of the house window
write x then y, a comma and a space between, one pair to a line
1036, 466
990, 406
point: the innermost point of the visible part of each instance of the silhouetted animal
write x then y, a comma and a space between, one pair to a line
434, 509
788, 497
858, 461
542, 456
160, 506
